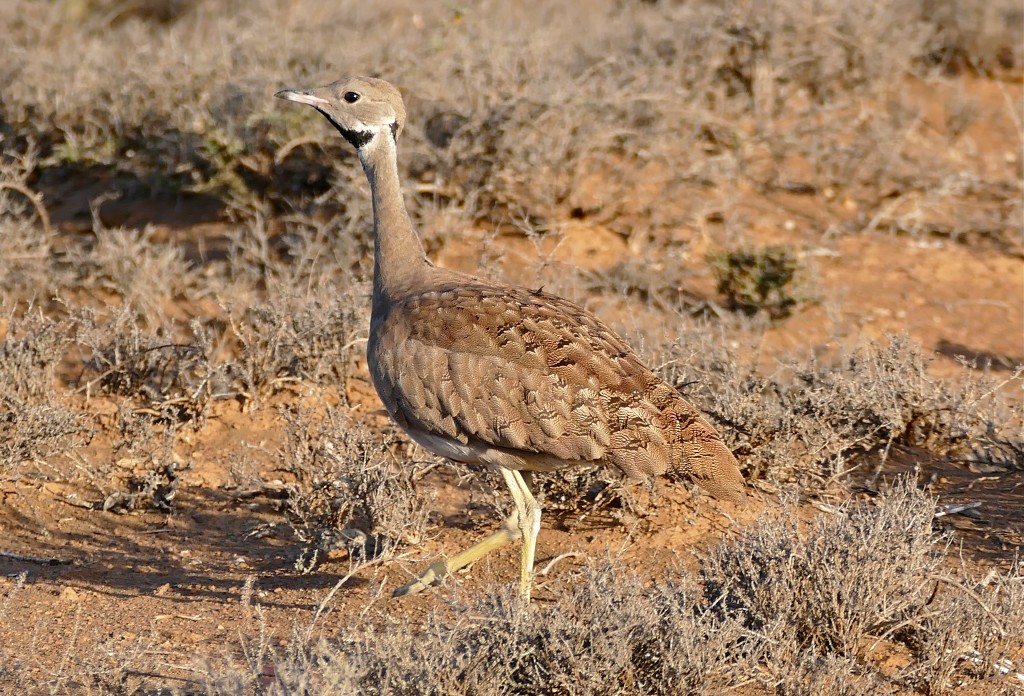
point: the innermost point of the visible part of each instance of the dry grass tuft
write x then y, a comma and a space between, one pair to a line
350, 491
298, 339
34, 424
798, 607
813, 422
165, 378
864, 571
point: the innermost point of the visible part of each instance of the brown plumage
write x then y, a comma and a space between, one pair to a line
513, 378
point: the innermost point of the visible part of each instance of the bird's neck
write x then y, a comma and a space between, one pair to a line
398, 256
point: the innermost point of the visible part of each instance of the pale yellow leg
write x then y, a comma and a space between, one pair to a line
528, 513
523, 523
509, 531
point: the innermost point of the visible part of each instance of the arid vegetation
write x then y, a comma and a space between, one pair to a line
807, 216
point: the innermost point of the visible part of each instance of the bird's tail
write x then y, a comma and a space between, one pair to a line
705, 459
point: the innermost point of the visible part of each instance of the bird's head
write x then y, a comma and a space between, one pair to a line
363, 109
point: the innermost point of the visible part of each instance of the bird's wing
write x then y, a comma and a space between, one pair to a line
519, 370
537, 378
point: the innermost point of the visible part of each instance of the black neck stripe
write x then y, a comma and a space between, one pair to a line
356, 138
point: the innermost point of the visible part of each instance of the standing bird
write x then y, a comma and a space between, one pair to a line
512, 378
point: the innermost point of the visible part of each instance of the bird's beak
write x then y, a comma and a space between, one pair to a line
297, 95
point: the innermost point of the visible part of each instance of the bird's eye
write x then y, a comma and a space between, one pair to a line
351, 97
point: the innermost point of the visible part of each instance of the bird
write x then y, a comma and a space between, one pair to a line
512, 378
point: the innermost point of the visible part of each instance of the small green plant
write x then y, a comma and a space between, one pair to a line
756, 280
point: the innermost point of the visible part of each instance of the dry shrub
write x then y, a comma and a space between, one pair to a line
150, 483
610, 635
292, 338
824, 595
784, 608
9, 667
147, 274
31, 433
32, 348
26, 272
350, 489
517, 105
813, 674
295, 307
26, 236
974, 632
107, 666
164, 377
145, 472
811, 423
33, 423
324, 251
864, 571
594, 495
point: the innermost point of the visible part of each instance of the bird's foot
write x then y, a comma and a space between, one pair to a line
434, 573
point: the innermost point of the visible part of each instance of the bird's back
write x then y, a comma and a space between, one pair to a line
526, 380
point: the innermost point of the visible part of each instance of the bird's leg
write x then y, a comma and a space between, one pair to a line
508, 531
524, 523
528, 523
